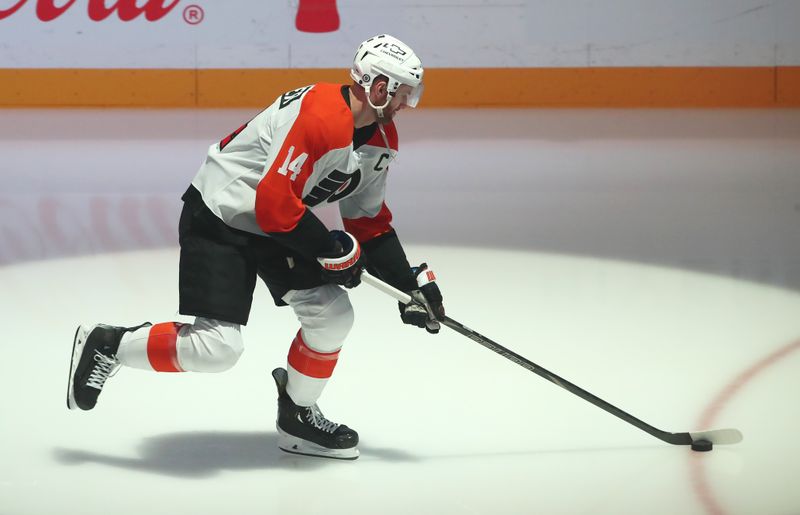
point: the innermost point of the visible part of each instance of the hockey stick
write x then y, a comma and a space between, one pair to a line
715, 436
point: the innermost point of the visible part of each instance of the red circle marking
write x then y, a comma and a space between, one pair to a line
697, 471
193, 14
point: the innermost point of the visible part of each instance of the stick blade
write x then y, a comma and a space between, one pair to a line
718, 436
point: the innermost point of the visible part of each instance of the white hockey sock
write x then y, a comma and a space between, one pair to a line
308, 372
304, 390
151, 348
206, 346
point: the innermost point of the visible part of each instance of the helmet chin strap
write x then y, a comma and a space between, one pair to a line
379, 109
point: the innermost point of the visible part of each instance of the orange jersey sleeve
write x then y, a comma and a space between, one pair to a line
318, 141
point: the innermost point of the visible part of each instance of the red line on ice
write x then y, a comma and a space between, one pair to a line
697, 470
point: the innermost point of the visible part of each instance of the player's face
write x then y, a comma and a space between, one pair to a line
398, 103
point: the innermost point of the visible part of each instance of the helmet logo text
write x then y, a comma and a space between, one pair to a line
394, 49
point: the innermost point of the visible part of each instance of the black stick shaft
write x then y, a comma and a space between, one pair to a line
673, 438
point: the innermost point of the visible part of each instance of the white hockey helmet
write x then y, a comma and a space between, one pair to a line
387, 55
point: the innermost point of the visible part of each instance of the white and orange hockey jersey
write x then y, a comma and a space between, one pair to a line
298, 155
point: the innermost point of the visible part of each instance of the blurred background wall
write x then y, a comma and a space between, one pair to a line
716, 190
550, 53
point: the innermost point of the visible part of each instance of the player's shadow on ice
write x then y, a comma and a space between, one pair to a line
204, 454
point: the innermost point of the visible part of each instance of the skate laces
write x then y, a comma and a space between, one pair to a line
315, 416
104, 368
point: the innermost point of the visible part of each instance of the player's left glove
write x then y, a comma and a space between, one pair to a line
426, 308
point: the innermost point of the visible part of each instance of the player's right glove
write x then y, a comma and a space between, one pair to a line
425, 309
343, 264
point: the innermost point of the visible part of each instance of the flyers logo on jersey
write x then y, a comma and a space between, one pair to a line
336, 186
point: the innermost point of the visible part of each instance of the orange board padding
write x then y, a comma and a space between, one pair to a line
630, 87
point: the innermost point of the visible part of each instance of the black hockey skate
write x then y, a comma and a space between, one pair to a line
94, 360
305, 430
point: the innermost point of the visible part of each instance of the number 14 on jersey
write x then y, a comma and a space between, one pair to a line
293, 166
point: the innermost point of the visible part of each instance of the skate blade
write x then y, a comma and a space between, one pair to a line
294, 445
77, 349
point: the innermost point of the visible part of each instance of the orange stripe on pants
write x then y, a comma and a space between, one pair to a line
310, 362
162, 347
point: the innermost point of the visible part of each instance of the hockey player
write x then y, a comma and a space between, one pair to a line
250, 211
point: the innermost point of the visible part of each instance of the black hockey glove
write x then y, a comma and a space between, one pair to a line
343, 264
426, 308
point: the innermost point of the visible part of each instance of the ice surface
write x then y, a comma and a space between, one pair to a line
649, 257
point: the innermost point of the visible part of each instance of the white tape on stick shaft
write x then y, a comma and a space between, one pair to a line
385, 288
